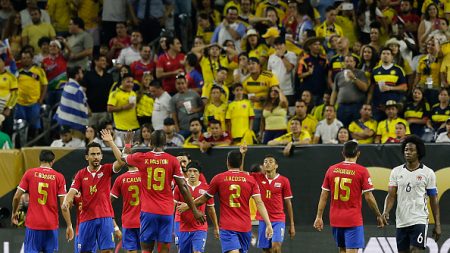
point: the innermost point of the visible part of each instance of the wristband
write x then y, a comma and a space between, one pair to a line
128, 145
116, 228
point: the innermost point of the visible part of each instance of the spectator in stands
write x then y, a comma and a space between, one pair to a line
55, 66
337, 62
307, 121
343, 135
256, 86
193, 76
397, 55
439, 112
229, 29
445, 136
13, 32
215, 137
400, 133
90, 136
327, 129
386, 128
307, 97
428, 71
185, 105
122, 104
145, 101
205, 28
246, 15
89, 12
33, 32
8, 97
66, 140
32, 84
427, 25
319, 110
152, 14
170, 64
240, 114
131, 53
145, 64
282, 64
80, 44
255, 46
114, 12
161, 106
173, 139
312, 70
219, 81
349, 91
375, 33
279, 6
389, 84
195, 129
121, 41
26, 17
6, 11
367, 12
417, 112
363, 130
274, 123
109, 126
146, 133
98, 83
407, 18
5, 140
43, 44
216, 108
329, 26
369, 60
296, 136
242, 72
407, 42
60, 13
124, 70
441, 34
73, 109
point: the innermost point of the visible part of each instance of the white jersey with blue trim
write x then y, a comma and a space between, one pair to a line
413, 189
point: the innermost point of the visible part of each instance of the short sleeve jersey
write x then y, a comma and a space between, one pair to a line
95, 192
188, 222
235, 188
157, 171
273, 193
44, 186
239, 113
346, 182
260, 86
169, 64
129, 186
29, 83
126, 119
413, 189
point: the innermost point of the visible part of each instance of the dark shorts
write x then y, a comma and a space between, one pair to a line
415, 235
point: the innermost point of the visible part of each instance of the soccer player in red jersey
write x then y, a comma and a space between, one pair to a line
94, 182
192, 236
45, 187
275, 191
235, 188
345, 182
157, 171
129, 186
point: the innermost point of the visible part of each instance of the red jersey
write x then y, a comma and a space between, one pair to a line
346, 182
55, 69
44, 186
78, 204
188, 223
95, 190
202, 179
209, 138
157, 171
273, 193
138, 68
128, 185
169, 64
235, 188
126, 42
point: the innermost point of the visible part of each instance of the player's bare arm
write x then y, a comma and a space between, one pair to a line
290, 212
213, 216
183, 207
68, 199
370, 199
390, 201
434, 204
67, 219
108, 139
199, 216
15, 206
318, 223
263, 212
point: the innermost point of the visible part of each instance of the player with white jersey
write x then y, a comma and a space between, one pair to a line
411, 185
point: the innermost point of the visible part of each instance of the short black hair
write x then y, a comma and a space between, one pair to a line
92, 145
222, 68
350, 149
234, 159
214, 121
330, 8
191, 59
43, 40
158, 139
236, 85
184, 154
385, 49
401, 123
156, 84
46, 156
279, 41
296, 118
194, 164
420, 145
195, 119
73, 71
78, 22
271, 156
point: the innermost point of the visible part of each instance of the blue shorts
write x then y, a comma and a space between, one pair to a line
192, 241
30, 113
349, 238
155, 227
130, 239
96, 234
278, 234
176, 231
77, 246
41, 240
232, 240
415, 235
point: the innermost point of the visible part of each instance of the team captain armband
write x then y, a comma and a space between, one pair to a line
432, 192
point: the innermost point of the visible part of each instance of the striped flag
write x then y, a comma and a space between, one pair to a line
8, 58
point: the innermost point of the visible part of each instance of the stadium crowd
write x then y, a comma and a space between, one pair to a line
216, 73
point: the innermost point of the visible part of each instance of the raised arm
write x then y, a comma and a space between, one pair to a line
108, 139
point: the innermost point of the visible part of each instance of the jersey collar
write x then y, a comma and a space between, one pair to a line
420, 167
